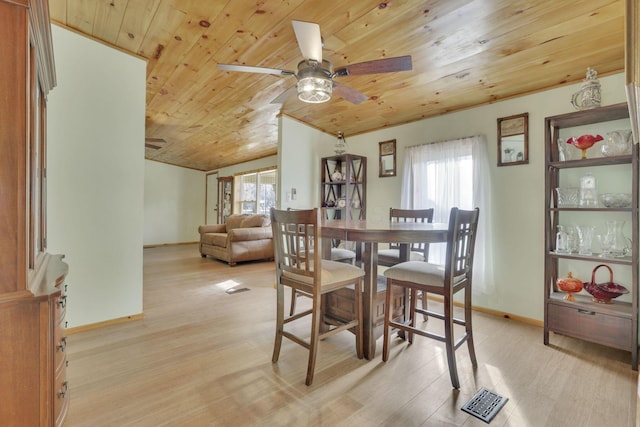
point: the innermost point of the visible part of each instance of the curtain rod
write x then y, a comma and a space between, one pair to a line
445, 140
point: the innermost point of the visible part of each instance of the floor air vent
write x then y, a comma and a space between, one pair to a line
485, 405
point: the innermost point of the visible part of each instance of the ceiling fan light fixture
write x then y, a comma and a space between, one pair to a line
315, 84
314, 89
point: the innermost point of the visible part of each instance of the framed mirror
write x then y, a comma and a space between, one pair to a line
513, 140
387, 158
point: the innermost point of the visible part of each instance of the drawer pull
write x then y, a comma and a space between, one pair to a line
63, 391
62, 345
590, 313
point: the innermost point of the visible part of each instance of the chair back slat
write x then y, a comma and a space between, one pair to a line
295, 235
463, 225
412, 215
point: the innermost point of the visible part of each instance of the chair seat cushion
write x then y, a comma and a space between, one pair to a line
393, 255
420, 272
338, 254
332, 272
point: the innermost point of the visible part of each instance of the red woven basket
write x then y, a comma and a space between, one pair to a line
604, 292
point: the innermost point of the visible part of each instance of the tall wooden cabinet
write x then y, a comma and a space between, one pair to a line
344, 186
225, 198
32, 293
615, 324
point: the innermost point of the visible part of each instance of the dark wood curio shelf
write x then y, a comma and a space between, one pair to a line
616, 324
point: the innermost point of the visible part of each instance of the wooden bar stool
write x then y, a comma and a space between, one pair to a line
417, 252
445, 280
294, 232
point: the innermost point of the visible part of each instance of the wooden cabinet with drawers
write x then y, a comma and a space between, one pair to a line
32, 295
33, 350
60, 386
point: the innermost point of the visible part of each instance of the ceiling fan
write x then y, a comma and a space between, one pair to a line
316, 75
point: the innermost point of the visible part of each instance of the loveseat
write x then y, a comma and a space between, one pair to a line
241, 238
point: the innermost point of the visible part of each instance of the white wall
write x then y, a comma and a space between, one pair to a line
175, 199
95, 176
174, 203
518, 191
299, 156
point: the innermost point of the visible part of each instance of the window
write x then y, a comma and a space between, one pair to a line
450, 174
440, 176
256, 192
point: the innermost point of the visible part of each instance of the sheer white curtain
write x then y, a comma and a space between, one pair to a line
447, 174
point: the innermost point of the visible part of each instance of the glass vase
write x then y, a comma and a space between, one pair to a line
619, 244
585, 236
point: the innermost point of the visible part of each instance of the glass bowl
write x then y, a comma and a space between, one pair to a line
616, 200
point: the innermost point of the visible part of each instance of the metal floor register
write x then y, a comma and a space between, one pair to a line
485, 405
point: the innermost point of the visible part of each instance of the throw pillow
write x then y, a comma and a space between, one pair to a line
234, 221
252, 221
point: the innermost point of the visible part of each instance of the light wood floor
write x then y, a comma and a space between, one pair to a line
202, 357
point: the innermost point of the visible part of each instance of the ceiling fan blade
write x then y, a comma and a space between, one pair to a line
250, 69
309, 39
154, 139
280, 99
387, 65
348, 93
154, 143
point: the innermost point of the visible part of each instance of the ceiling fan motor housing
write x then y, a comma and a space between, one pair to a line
315, 83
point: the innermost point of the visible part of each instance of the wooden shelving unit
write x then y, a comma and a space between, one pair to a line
615, 324
345, 197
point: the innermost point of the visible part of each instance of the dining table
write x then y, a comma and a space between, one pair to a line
368, 234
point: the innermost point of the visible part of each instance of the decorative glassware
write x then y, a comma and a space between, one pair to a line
572, 238
563, 150
588, 193
619, 243
616, 200
584, 142
589, 94
605, 245
585, 236
570, 285
617, 143
562, 241
341, 144
604, 292
567, 197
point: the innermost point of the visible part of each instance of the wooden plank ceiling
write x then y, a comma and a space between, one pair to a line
465, 53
